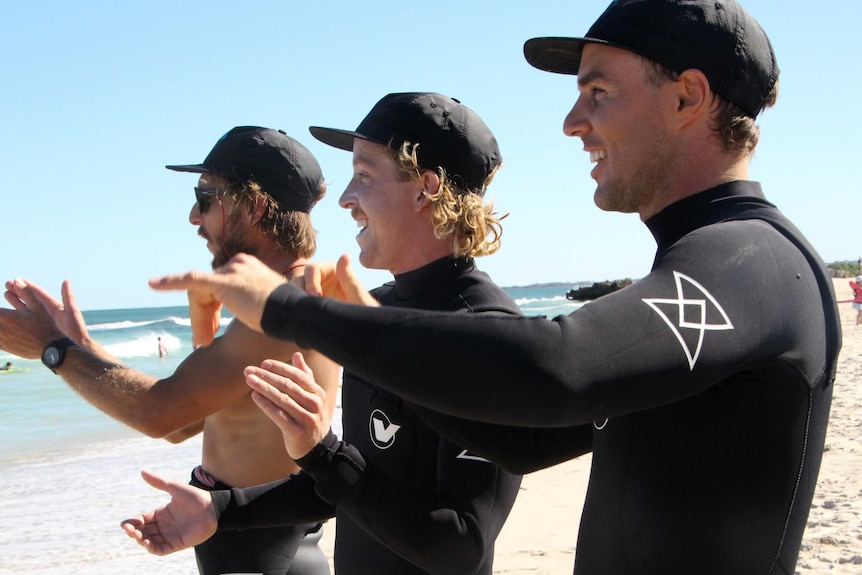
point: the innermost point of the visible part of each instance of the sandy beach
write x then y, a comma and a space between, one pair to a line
60, 512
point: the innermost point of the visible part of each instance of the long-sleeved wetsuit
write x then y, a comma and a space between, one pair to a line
707, 385
406, 500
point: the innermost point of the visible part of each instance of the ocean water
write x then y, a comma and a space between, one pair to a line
41, 412
69, 474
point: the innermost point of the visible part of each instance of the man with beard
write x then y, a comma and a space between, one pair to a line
703, 401
406, 500
255, 191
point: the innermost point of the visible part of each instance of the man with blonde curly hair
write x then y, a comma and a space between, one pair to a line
703, 402
407, 501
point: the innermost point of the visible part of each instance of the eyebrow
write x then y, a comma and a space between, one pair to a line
584, 79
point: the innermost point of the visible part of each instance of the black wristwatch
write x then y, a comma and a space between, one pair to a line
55, 352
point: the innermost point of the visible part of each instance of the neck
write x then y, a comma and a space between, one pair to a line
296, 268
688, 182
286, 264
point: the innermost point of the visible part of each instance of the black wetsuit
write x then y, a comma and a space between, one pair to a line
406, 501
277, 550
703, 390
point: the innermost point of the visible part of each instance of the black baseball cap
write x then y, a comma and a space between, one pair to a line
280, 165
449, 135
717, 37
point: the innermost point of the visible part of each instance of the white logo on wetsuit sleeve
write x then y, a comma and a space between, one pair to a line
691, 313
467, 455
382, 430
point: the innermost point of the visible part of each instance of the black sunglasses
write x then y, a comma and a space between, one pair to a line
203, 196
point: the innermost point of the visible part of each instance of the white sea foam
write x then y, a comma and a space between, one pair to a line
60, 512
144, 345
122, 325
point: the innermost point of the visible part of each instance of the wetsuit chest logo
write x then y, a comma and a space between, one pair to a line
382, 430
694, 312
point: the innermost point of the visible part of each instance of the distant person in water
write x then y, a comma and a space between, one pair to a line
163, 352
6, 367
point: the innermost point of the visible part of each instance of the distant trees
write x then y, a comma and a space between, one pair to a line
846, 268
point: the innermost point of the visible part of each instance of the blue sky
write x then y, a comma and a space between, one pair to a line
98, 96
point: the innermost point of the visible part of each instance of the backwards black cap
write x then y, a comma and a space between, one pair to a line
717, 37
280, 165
450, 135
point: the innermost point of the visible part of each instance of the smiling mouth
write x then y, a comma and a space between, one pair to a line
597, 155
362, 224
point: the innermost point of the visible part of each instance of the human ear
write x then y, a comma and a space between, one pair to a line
693, 93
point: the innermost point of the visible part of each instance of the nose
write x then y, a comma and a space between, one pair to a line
347, 199
575, 124
195, 217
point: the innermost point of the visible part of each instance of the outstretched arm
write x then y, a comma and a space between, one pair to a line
205, 382
187, 520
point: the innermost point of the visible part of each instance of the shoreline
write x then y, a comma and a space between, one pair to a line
60, 509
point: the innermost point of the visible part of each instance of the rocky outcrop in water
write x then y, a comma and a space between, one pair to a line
597, 290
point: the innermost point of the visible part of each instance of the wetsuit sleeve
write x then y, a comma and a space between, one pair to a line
686, 326
519, 450
291, 501
462, 516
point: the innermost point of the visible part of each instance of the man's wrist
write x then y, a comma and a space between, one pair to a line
274, 320
54, 353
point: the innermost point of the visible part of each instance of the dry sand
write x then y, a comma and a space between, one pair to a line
539, 537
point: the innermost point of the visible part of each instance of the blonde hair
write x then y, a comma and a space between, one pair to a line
456, 213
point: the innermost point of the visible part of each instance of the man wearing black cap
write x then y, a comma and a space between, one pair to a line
254, 194
406, 501
703, 402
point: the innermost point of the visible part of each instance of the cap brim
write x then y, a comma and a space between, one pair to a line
556, 54
341, 139
193, 168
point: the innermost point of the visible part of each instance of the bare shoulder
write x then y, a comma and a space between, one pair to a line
243, 344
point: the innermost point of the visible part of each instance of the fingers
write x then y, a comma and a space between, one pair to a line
14, 293
296, 404
321, 281
205, 317
156, 481
144, 530
290, 389
13, 299
313, 275
186, 281
23, 295
243, 285
353, 289
132, 528
51, 303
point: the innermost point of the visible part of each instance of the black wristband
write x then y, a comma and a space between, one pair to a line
55, 352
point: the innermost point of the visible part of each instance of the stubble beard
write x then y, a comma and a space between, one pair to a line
235, 242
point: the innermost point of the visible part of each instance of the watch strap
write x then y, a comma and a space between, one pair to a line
60, 345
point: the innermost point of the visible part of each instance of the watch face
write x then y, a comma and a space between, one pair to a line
51, 355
